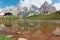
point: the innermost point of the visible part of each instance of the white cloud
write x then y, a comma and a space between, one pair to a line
1, 13
34, 2
40, 2
25, 3
0, 10
57, 5
8, 7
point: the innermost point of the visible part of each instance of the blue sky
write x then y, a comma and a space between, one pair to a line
55, 1
4, 3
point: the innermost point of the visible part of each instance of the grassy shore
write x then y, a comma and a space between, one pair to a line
10, 18
4, 38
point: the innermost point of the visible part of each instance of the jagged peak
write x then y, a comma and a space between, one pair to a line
45, 3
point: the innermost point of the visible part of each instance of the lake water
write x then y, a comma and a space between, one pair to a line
45, 26
31, 29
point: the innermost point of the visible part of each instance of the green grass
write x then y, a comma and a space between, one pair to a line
4, 38
10, 18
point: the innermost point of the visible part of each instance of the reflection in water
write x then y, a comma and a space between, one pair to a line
31, 25
8, 24
2, 26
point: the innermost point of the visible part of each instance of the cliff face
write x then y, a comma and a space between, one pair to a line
25, 11
47, 9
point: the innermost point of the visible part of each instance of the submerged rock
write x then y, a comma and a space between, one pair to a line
56, 32
22, 39
10, 36
37, 33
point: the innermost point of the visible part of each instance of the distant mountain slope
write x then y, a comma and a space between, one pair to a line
55, 15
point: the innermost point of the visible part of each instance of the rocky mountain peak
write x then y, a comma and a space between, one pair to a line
47, 9
45, 2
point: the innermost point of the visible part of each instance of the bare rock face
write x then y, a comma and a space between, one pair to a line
16, 10
47, 9
23, 12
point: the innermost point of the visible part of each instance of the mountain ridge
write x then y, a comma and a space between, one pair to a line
21, 12
54, 16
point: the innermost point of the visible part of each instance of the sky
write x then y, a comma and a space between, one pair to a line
27, 3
